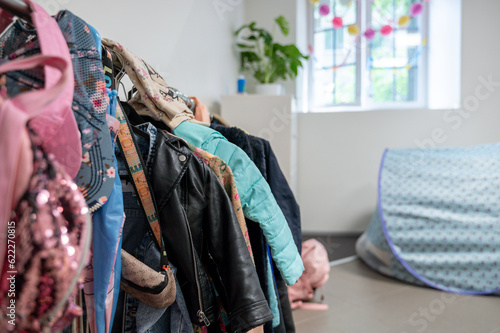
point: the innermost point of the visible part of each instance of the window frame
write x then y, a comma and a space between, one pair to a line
366, 103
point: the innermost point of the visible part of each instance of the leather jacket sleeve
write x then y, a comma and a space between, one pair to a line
257, 200
198, 220
231, 268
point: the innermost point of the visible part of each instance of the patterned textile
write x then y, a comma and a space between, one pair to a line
90, 100
153, 92
440, 216
139, 176
373, 249
102, 280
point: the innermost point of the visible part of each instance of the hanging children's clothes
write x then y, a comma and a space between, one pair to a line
102, 281
197, 218
172, 109
52, 121
203, 199
265, 265
258, 202
89, 101
51, 207
261, 153
51, 220
96, 171
225, 175
145, 304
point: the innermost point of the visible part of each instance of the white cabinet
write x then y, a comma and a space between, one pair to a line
269, 117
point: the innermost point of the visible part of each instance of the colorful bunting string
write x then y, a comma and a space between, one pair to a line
416, 9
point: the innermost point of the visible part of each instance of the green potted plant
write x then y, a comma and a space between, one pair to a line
265, 59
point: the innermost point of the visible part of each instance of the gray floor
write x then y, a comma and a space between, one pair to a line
337, 245
362, 300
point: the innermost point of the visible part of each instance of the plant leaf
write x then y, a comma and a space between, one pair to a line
240, 29
249, 56
283, 24
260, 76
245, 46
266, 60
266, 36
246, 58
293, 67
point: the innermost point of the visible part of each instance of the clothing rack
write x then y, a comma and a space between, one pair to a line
202, 179
18, 8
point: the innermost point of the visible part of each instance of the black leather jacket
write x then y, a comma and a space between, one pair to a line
201, 232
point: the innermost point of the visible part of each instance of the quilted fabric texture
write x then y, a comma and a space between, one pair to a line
440, 213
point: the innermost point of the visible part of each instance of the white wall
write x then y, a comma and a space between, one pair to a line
190, 43
339, 153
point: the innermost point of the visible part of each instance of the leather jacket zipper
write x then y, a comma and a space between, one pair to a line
201, 315
203, 318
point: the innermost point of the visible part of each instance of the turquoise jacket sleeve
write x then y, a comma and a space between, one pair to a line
257, 201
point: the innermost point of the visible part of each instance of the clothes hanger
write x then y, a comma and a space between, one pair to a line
134, 118
118, 66
119, 72
18, 8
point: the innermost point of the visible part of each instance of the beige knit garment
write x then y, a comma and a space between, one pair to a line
154, 98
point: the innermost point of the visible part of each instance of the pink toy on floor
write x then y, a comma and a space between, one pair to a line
316, 274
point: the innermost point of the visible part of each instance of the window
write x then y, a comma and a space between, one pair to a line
350, 69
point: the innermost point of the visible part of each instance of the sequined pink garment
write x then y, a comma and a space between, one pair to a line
51, 244
48, 110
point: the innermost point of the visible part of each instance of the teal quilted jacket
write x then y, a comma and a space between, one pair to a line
258, 202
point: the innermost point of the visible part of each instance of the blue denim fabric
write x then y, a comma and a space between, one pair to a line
133, 316
146, 149
139, 317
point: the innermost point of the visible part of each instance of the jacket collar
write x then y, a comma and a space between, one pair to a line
171, 160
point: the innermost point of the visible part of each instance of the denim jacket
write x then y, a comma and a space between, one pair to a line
132, 315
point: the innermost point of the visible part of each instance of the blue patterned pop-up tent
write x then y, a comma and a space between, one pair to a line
438, 218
